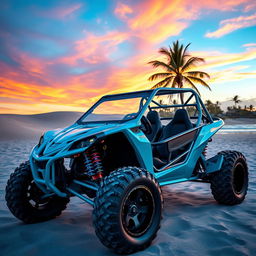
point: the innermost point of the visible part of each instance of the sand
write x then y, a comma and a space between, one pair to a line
193, 223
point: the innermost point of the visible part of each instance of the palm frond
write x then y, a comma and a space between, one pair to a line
170, 81
159, 75
174, 54
200, 81
163, 83
179, 55
156, 64
191, 84
184, 54
200, 74
191, 62
165, 52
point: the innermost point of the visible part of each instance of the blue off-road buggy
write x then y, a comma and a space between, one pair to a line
118, 162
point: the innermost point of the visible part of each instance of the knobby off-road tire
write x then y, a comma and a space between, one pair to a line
128, 210
229, 185
23, 198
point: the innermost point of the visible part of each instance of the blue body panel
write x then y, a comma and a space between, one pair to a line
57, 144
184, 170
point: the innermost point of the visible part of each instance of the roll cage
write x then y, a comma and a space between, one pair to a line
147, 97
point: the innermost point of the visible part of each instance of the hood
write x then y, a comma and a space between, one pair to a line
61, 139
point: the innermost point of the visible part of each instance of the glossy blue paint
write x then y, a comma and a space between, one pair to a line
59, 144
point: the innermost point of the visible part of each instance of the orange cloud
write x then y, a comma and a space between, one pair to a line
217, 59
150, 18
95, 49
13, 89
250, 45
32, 98
154, 21
231, 74
122, 10
230, 25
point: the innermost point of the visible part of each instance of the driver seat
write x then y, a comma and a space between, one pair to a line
154, 119
180, 123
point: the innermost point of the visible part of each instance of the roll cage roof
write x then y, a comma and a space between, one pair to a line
148, 95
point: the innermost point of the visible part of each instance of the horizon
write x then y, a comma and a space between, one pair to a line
64, 56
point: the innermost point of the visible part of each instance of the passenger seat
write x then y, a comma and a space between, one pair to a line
180, 123
156, 125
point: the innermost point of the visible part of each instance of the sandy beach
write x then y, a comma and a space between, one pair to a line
193, 223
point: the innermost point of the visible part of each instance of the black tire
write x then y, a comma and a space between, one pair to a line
23, 198
128, 210
229, 185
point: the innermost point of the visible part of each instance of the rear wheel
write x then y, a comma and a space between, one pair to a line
25, 200
229, 185
127, 210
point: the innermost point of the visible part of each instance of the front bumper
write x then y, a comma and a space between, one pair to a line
43, 169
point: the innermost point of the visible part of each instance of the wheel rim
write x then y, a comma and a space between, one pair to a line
34, 197
138, 211
239, 179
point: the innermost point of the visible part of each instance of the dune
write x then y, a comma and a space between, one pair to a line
193, 223
32, 126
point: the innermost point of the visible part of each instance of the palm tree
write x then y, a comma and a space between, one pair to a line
236, 100
208, 103
178, 69
251, 108
217, 105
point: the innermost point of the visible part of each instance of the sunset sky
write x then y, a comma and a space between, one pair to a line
64, 55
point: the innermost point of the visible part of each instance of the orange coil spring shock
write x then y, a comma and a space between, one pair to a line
97, 163
93, 164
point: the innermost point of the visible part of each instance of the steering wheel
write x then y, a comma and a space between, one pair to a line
146, 125
129, 116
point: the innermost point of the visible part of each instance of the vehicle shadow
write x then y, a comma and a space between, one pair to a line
73, 233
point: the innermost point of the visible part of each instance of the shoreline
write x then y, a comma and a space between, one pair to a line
239, 120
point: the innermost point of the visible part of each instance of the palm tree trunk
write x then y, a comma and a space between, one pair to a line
181, 94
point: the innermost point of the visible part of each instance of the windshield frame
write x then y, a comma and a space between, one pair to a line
150, 95
143, 94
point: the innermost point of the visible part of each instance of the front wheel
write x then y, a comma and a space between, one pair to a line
25, 200
229, 185
127, 210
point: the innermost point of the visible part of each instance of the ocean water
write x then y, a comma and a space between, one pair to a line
238, 128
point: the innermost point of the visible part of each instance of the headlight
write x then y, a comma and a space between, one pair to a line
86, 142
41, 140
83, 143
